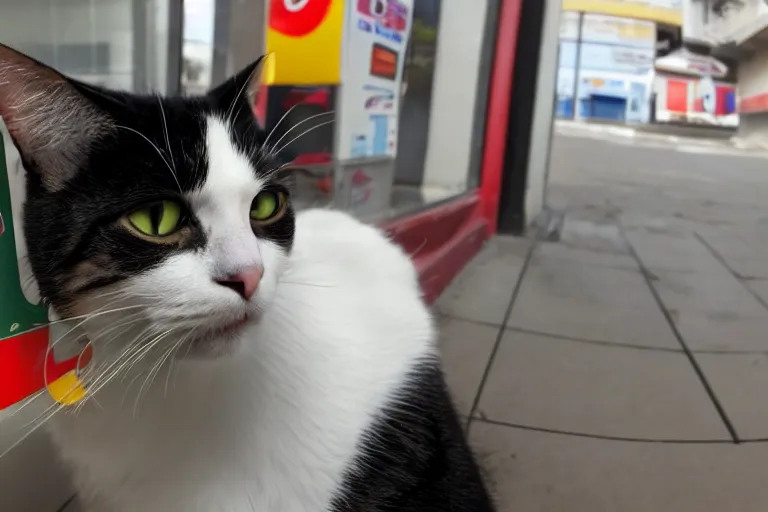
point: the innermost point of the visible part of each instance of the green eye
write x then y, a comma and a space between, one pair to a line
158, 219
266, 206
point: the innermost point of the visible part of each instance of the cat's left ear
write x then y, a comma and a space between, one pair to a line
51, 122
242, 89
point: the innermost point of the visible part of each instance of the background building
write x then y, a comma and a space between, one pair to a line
607, 53
736, 30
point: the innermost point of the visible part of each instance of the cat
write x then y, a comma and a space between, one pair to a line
246, 357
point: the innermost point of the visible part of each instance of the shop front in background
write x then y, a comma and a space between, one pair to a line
400, 126
605, 68
694, 89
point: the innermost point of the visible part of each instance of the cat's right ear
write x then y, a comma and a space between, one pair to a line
51, 123
242, 89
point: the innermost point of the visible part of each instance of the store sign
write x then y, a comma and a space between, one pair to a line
305, 37
26, 338
372, 79
620, 59
706, 67
687, 63
598, 28
632, 57
602, 86
664, 11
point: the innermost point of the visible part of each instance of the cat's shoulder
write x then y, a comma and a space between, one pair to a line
333, 236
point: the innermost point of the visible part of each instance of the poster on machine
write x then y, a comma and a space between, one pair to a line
305, 38
375, 46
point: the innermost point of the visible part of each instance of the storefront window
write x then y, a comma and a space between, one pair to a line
121, 44
379, 141
444, 108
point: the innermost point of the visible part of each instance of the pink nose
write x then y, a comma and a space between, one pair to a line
245, 283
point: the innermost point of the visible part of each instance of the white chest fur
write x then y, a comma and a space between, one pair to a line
276, 428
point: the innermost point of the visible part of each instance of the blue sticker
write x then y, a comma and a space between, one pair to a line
359, 146
364, 25
389, 34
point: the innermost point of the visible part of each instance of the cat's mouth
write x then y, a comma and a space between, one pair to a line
228, 328
232, 327
219, 339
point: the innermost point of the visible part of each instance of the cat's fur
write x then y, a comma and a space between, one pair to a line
329, 398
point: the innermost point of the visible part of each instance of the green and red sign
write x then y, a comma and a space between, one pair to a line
25, 360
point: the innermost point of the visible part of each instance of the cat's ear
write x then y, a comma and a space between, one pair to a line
50, 121
242, 89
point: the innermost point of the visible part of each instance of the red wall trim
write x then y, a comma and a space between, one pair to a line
753, 104
441, 240
498, 110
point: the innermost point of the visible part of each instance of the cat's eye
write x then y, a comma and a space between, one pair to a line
159, 219
267, 207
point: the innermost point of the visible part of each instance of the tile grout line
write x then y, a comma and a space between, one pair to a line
676, 332
66, 504
603, 343
602, 437
500, 333
735, 275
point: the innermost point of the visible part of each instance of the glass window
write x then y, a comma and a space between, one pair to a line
115, 43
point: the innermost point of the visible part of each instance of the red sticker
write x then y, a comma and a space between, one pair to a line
297, 18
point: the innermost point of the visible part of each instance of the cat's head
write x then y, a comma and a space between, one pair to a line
170, 213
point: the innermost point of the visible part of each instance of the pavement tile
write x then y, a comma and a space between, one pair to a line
713, 311
73, 506
712, 293
586, 255
760, 287
744, 250
540, 472
593, 236
466, 349
483, 289
740, 383
603, 390
673, 252
569, 298
707, 331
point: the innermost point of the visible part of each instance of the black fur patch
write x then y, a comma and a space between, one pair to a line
415, 457
156, 152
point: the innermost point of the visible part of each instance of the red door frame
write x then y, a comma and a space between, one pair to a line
443, 239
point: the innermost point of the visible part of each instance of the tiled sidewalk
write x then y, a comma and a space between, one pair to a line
616, 370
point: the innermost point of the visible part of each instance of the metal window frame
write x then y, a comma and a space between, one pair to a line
140, 10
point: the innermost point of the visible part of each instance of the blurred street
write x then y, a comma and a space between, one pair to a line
625, 366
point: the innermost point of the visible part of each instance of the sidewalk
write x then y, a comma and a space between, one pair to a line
702, 137
625, 367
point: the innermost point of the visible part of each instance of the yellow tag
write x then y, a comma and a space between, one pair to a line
67, 389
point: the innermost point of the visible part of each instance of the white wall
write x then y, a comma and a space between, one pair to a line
538, 160
753, 73
454, 91
738, 25
693, 21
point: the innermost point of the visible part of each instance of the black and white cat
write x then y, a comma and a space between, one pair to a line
296, 359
